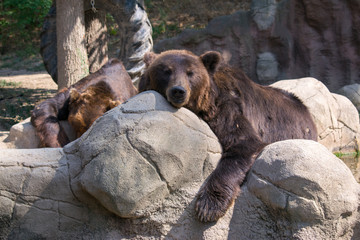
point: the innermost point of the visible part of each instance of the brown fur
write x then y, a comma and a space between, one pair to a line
86, 107
111, 79
245, 116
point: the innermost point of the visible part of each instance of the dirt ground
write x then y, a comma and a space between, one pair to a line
27, 79
19, 92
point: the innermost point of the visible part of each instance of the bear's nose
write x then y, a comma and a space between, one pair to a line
178, 92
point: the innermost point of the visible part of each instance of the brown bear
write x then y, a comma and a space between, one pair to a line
85, 108
85, 100
244, 115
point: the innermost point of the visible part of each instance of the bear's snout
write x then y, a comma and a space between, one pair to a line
178, 93
177, 96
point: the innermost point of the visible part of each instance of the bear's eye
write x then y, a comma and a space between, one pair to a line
167, 71
190, 73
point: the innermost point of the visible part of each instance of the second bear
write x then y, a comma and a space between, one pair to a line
115, 86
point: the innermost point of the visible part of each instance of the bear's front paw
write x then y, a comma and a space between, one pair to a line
212, 203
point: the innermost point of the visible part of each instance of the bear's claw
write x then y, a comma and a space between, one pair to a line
212, 205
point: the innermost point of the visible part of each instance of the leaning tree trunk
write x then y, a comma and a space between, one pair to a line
72, 56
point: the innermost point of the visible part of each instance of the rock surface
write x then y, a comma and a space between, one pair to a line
23, 135
4, 143
304, 188
296, 189
137, 154
306, 38
352, 92
336, 118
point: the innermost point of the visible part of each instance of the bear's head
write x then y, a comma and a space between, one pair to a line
183, 78
86, 107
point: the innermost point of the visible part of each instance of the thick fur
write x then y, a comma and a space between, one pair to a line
86, 107
245, 116
112, 81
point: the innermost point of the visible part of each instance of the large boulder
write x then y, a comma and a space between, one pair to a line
296, 189
305, 186
35, 195
137, 154
336, 118
283, 40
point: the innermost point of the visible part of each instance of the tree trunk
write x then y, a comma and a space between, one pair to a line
96, 39
71, 48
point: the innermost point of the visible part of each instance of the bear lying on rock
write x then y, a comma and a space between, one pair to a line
82, 103
86, 107
245, 116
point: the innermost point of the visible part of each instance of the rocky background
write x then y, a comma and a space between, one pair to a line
286, 39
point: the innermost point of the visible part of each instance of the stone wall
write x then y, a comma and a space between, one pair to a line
284, 40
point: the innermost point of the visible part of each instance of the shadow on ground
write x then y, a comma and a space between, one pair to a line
16, 104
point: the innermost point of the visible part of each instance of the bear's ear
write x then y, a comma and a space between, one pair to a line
112, 104
149, 58
144, 83
211, 60
74, 95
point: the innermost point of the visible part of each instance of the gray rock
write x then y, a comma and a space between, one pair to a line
352, 92
137, 153
307, 185
263, 13
305, 193
336, 118
295, 190
4, 143
23, 135
33, 182
308, 38
266, 68
146, 159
